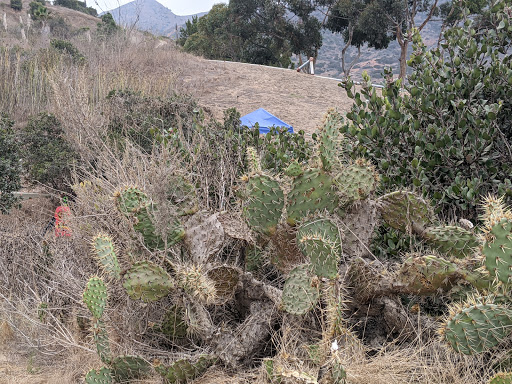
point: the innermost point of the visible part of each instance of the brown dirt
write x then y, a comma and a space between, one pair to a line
299, 99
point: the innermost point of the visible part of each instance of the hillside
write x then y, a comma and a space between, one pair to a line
150, 16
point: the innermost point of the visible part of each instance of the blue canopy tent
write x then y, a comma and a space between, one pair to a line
265, 121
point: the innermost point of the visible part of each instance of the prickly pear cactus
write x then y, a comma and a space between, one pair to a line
497, 249
300, 291
357, 181
426, 275
100, 336
263, 204
147, 282
476, 326
194, 281
401, 209
101, 376
182, 194
104, 251
95, 296
136, 206
183, 371
453, 241
174, 325
225, 279
501, 378
311, 192
329, 137
126, 368
320, 241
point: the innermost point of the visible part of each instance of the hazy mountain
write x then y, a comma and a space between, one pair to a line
151, 16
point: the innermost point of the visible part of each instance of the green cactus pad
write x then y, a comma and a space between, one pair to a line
300, 291
501, 378
129, 200
294, 169
183, 371
126, 368
453, 241
100, 376
426, 275
476, 327
253, 258
328, 138
497, 250
174, 325
100, 336
226, 280
95, 296
182, 194
400, 209
253, 160
264, 204
356, 181
320, 241
311, 192
136, 206
147, 282
104, 250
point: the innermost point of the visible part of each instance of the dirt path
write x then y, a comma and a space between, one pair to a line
296, 98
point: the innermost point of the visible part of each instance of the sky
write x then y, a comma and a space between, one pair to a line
178, 7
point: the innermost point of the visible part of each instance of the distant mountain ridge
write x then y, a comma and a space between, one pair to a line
150, 16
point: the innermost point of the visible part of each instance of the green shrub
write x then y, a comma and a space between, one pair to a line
10, 169
448, 133
38, 11
108, 25
17, 5
68, 48
47, 157
80, 6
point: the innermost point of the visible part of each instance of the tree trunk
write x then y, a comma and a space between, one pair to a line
403, 58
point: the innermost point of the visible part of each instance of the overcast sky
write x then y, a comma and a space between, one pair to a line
178, 7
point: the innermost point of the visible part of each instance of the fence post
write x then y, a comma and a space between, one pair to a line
311, 66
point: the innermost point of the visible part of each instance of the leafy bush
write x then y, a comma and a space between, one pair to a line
449, 133
47, 157
108, 25
10, 170
38, 11
17, 5
80, 6
67, 47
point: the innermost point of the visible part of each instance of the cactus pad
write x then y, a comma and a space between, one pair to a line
501, 378
264, 204
104, 250
181, 194
497, 250
147, 282
100, 376
320, 241
126, 368
401, 209
300, 291
183, 371
100, 336
173, 324
311, 192
329, 137
293, 169
129, 200
453, 241
357, 181
194, 281
225, 279
95, 296
475, 327
428, 274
